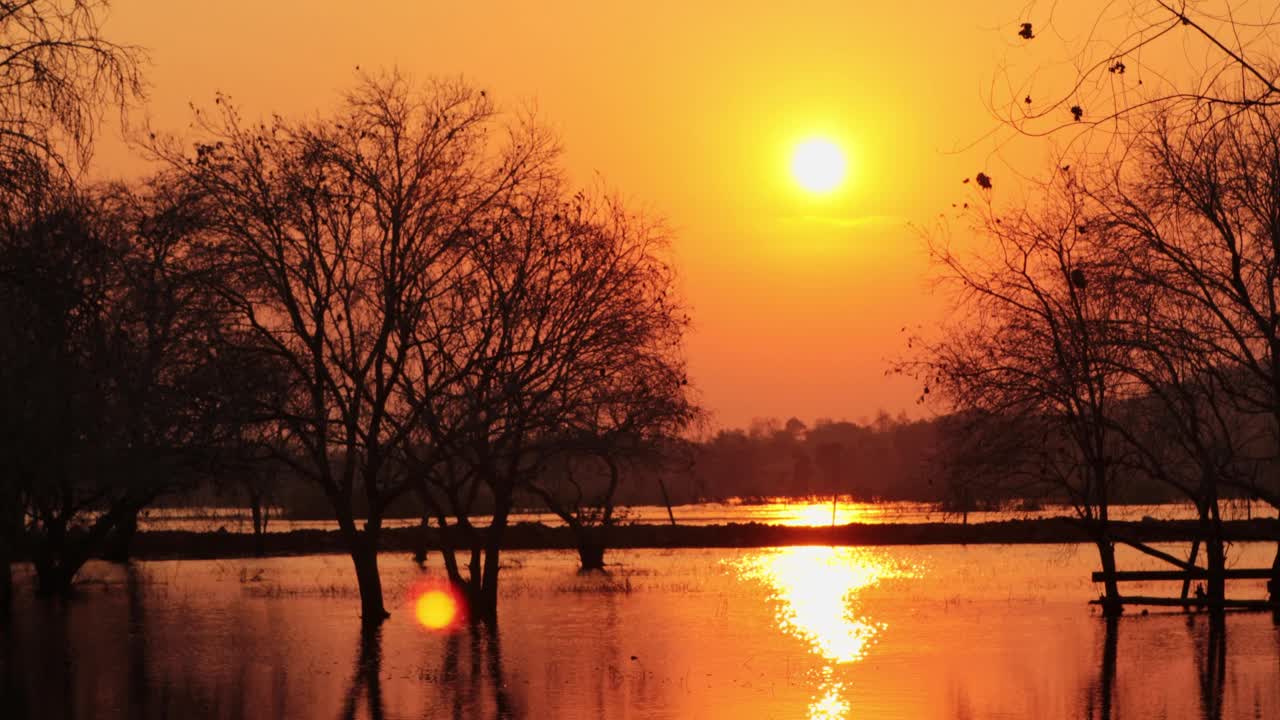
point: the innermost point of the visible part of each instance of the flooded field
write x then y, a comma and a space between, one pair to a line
801, 632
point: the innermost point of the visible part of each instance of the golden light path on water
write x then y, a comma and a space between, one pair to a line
816, 591
818, 514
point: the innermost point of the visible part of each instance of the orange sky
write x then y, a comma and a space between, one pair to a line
689, 109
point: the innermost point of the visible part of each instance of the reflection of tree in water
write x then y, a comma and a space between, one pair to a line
1211, 663
1105, 688
137, 640
466, 681
367, 679
1208, 635
11, 691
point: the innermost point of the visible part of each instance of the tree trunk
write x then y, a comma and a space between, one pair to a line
666, 499
259, 526
120, 541
1216, 561
446, 542
364, 554
424, 541
6, 580
474, 571
1111, 605
1273, 585
1110, 643
486, 608
1191, 560
1215, 584
11, 534
590, 550
449, 553
53, 577
51, 556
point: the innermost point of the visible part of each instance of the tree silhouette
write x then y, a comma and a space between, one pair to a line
337, 240
121, 382
1171, 55
542, 340
1197, 232
1032, 343
58, 74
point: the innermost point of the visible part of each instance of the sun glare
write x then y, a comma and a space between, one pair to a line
818, 165
436, 609
817, 592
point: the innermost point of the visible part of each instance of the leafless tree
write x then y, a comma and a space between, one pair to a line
632, 422
1194, 217
1132, 57
1033, 342
1183, 428
58, 75
253, 475
117, 373
556, 310
338, 239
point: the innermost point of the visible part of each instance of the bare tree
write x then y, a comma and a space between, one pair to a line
1194, 217
1130, 58
253, 476
58, 74
337, 239
117, 371
553, 314
1183, 428
1033, 341
632, 422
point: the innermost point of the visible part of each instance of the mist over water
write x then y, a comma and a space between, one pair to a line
801, 632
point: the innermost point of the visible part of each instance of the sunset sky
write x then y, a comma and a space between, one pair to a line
691, 111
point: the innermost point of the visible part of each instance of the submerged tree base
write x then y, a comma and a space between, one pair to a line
591, 558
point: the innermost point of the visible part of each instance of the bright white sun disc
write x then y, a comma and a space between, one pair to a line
818, 165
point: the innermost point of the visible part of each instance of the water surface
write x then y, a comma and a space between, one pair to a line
801, 632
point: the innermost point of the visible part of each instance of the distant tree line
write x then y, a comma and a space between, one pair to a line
942, 461
884, 459
889, 458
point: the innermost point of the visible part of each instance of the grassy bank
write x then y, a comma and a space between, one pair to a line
533, 536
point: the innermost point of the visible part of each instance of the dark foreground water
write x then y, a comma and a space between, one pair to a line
806, 632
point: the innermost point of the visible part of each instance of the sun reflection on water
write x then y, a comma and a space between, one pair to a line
831, 705
801, 514
815, 590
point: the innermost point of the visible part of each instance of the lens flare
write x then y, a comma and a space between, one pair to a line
436, 609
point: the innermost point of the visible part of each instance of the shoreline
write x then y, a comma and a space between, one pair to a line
181, 544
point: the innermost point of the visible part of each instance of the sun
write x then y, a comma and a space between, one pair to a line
818, 165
